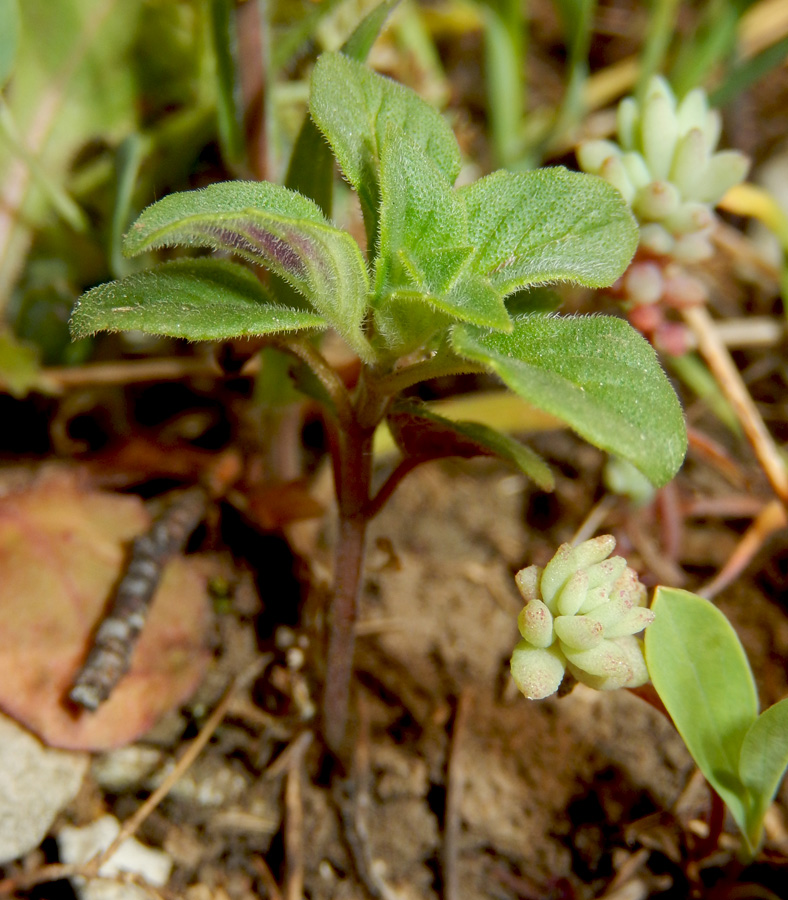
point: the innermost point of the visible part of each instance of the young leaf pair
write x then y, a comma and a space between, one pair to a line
700, 671
439, 266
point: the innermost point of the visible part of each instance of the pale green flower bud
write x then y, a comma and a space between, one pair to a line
665, 167
722, 171
659, 132
582, 612
614, 172
537, 672
535, 624
593, 154
578, 632
689, 160
689, 218
692, 111
637, 170
621, 665
692, 248
573, 594
655, 201
656, 238
627, 117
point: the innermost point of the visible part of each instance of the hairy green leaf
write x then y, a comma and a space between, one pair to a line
354, 108
274, 227
420, 215
549, 225
197, 299
358, 45
762, 764
420, 432
701, 674
598, 375
424, 250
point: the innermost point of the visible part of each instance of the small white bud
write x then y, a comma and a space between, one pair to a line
527, 581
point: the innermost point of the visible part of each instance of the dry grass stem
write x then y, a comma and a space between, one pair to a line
729, 378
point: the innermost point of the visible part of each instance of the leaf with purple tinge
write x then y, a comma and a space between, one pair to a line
273, 227
62, 546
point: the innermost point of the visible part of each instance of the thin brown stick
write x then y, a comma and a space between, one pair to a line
90, 869
294, 823
454, 788
132, 824
730, 381
171, 368
267, 877
352, 797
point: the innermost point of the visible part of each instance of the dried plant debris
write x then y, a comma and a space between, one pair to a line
62, 549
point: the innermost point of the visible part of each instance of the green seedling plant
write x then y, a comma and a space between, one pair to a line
441, 287
701, 673
582, 614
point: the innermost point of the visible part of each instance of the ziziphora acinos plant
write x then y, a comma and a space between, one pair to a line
582, 612
429, 298
667, 168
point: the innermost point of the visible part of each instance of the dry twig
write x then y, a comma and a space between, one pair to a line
770, 519
454, 788
730, 381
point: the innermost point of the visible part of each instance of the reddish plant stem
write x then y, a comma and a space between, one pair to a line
353, 473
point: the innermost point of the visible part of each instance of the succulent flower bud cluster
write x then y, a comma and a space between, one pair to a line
666, 168
582, 612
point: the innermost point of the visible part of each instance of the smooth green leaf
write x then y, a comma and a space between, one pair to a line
197, 299
311, 167
358, 45
354, 108
701, 674
762, 764
595, 373
229, 104
128, 161
274, 227
20, 365
9, 37
549, 225
420, 432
